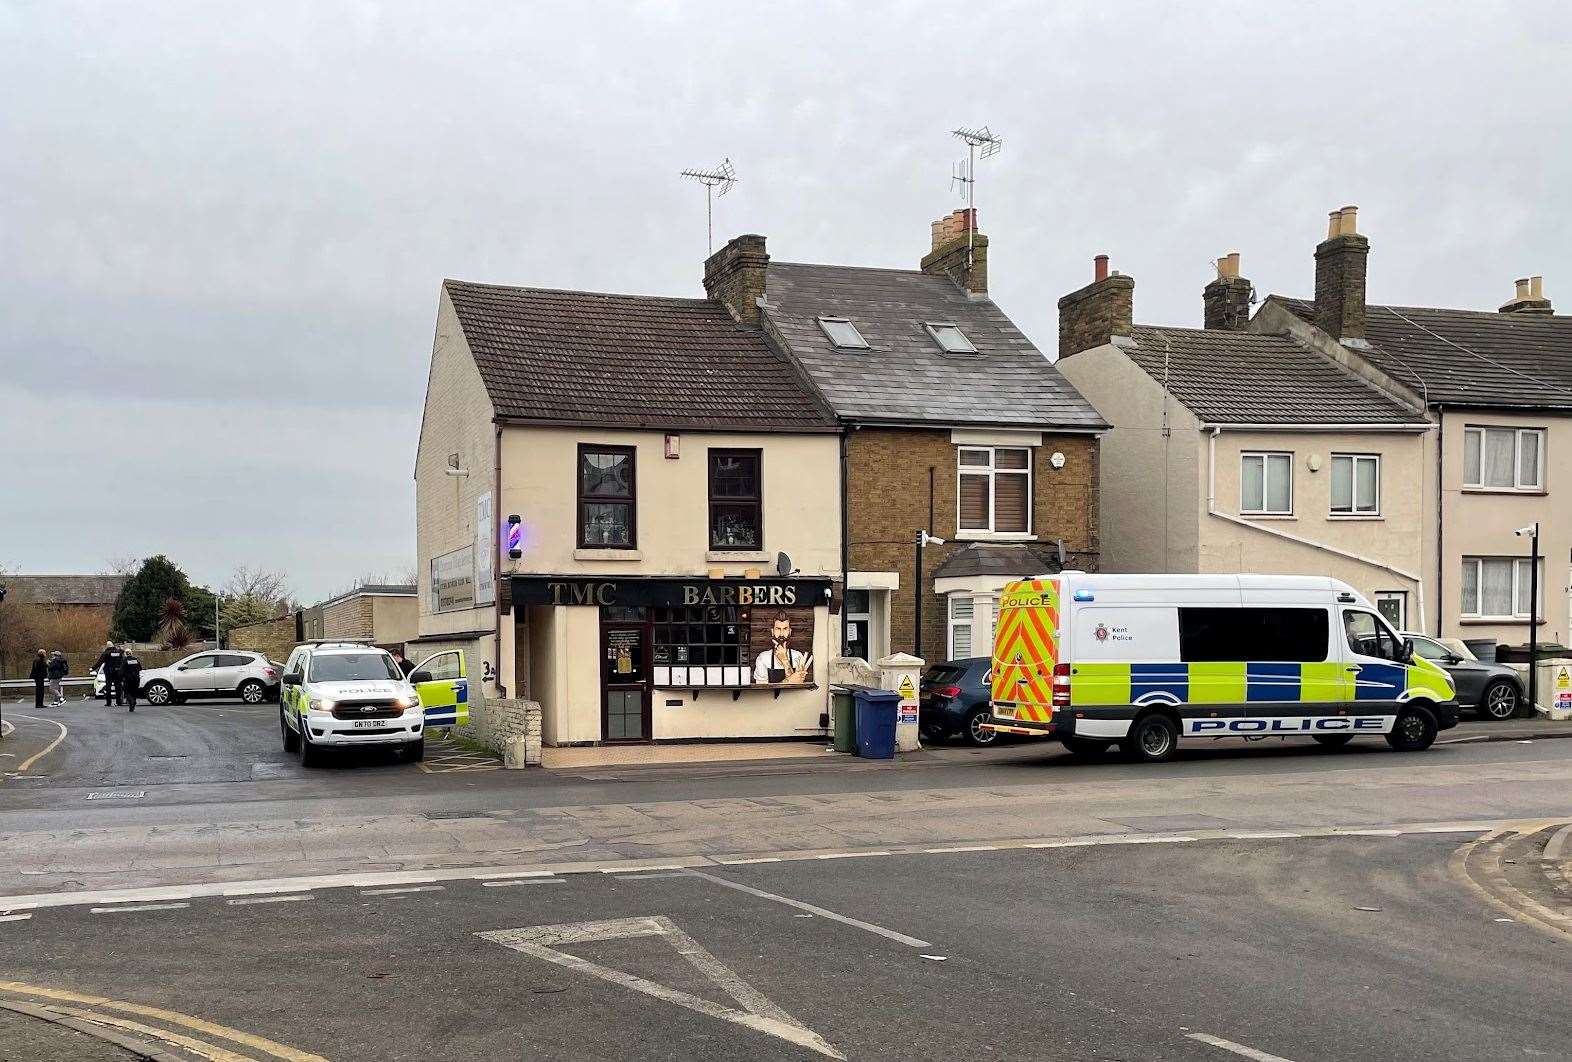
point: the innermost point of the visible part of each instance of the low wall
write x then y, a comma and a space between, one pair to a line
508, 727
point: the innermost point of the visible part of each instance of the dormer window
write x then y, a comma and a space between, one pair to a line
843, 333
950, 338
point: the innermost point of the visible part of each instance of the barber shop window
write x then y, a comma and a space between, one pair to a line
736, 500
995, 490
607, 497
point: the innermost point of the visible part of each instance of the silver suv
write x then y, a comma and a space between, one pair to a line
216, 673
342, 694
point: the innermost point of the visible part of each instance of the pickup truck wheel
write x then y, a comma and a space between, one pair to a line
1414, 730
1333, 741
1499, 701
291, 739
159, 693
310, 755
415, 751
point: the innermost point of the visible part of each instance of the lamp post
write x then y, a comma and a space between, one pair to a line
1532, 533
923, 539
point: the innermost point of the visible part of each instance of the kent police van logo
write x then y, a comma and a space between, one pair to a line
1101, 633
1311, 724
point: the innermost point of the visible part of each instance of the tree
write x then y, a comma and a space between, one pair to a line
139, 610
200, 606
255, 594
172, 629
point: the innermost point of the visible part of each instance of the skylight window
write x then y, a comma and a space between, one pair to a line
843, 333
950, 338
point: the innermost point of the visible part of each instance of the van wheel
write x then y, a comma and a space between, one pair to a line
1414, 730
1085, 748
1153, 739
1333, 741
975, 734
291, 739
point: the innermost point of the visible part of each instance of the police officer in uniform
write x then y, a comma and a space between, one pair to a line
130, 679
111, 660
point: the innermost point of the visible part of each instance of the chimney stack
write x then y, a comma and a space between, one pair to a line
1529, 297
1340, 262
1226, 300
949, 255
1096, 313
734, 277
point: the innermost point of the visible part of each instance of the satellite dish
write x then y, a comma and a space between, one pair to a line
782, 565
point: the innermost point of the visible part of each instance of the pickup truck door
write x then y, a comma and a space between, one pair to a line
446, 696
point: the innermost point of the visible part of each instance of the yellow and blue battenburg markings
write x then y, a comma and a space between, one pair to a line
1107, 684
446, 701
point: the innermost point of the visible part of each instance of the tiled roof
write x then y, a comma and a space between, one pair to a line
905, 378
631, 361
984, 558
64, 589
1227, 377
1468, 357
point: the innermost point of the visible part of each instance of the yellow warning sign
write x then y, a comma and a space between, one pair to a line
907, 689
1563, 678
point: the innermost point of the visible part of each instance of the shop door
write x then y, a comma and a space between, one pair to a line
625, 682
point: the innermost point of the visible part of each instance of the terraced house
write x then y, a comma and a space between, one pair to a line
952, 422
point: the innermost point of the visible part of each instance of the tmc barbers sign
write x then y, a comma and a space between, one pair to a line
668, 593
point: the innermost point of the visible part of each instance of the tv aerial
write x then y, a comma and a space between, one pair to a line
723, 177
981, 143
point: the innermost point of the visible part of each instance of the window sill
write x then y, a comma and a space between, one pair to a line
1268, 516
738, 556
592, 554
994, 536
1503, 621
1526, 492
1355, 516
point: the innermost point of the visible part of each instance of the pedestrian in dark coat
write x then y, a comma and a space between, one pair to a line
111, 660
57, 673
130, 679
39, 675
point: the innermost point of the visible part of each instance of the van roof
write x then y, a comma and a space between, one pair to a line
1098, 581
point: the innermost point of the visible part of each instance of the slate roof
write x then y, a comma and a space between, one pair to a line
64, 589
1227, 377
1469, 357
980, 558
636, 361
905, 378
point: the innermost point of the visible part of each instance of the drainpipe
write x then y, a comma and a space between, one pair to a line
845, 548
1440, 512
496, 565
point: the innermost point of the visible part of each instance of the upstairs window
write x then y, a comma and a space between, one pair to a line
1504, 458
995, 490
1266, 484
1497, 587
950, 338
1356, 485
843, 333
736, 500
607, 497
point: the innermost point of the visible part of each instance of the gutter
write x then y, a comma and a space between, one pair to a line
1212, 510
1395, 427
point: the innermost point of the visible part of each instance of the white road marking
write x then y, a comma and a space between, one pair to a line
402, 890
758, 1012
633, 870
1369, 833
1146, 840
138, 907
292, 898
1453, 829
748, 862
965, 848
890, 934
15, 917
520, 874
527, 881
1263, 836
849, 855
645, 876
1238, 1049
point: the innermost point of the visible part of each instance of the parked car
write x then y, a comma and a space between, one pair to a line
214, 673
953, 699
1495, 691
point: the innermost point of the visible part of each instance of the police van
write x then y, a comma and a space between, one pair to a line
1148, 661
345, 694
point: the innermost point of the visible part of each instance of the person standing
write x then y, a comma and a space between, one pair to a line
110, 662
57, 674
130, 679
403, 665
39, 675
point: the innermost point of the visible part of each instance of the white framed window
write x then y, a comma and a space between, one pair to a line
1266, 484
1504, 458
1497, 588
950, 338
994, 490
843, 333
1356, 485
963, 611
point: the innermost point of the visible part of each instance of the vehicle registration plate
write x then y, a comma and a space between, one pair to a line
1004, 713
366, 724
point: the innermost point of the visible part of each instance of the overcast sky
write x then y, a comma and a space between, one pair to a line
223, 226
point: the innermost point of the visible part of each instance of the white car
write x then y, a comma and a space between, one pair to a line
344, 694
251, 677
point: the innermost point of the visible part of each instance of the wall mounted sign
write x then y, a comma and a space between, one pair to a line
453, 580
668, 593
485, 551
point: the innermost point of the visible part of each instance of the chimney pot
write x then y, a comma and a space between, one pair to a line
1099, 268
1334, 223
1348, 221
1536, 287
1522, 288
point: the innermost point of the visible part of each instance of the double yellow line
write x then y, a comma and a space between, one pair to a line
60, 1002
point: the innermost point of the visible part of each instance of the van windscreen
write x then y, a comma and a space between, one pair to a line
1243, 634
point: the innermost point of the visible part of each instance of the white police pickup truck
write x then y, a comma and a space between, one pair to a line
345, 694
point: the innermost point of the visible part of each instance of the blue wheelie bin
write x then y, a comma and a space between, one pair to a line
876, 712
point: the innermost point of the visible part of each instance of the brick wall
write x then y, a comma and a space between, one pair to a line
349, 619
273, 638
734, 276
508, 727
1090, 316
888, 503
